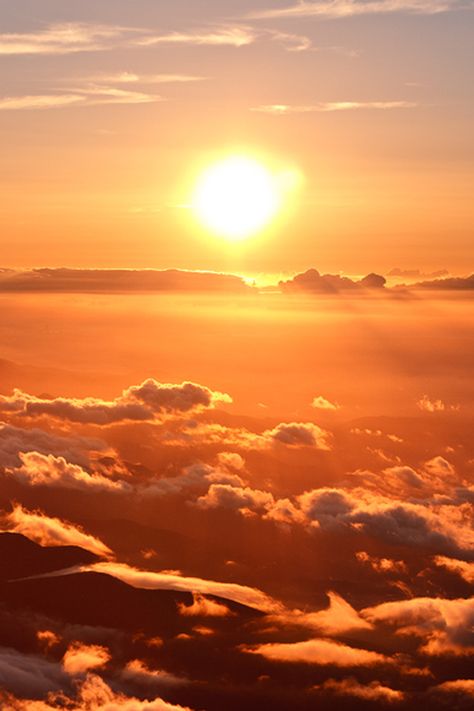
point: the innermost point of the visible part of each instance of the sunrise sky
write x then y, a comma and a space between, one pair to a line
236, 370
110, 111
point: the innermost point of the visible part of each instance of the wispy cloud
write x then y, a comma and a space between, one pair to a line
132, 78
90, 96
64, 38
68, 38
40, 101
232, 36
333, 9
229, 36
323, 107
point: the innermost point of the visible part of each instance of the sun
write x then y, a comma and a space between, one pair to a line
237, 197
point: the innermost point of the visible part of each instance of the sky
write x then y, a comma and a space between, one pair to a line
236, 372
110, 111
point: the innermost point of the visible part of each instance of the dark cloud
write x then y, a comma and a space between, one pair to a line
27, 674
448, 284
142, 403
15, 440
119, 281
313, 281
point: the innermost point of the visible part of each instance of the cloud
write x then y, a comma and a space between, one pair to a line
195, 476
338, 9
147, 580
28, 674
44, 101
141, 403
237, 498
313, 281
382, 565
320, 403
132, 78
449, 284
414, 273
338, 618
93, 695
47, 470
299, 434
90, 96
375, 691
139, 673
291, 434
457, 686
203, 607
460, 567
291, 42
429, 405
119, 281
330, 106
63, 38
446, 626
390, 520
47, 638
48, 531
318, 651
225, 35
14, 440
80, 658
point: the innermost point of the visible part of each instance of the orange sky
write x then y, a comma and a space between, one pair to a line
149, 97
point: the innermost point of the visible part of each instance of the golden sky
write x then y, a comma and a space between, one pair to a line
109, 112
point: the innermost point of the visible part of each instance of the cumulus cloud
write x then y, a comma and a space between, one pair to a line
426, 404
321, 403
204, 607
460, 567
299, 434
313, 281
387, 519
290, 434
47, 470
318, 651
445, 625
457, 686
195, 476
81, 658
93, 695
237, 498
375, 691
48, 531
15, 440
382, 565
146, 402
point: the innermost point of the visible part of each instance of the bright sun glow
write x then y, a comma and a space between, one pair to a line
237, 197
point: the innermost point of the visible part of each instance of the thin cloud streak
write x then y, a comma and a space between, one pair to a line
233, 36
336, 9
92, 96
330, 106
63, 38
